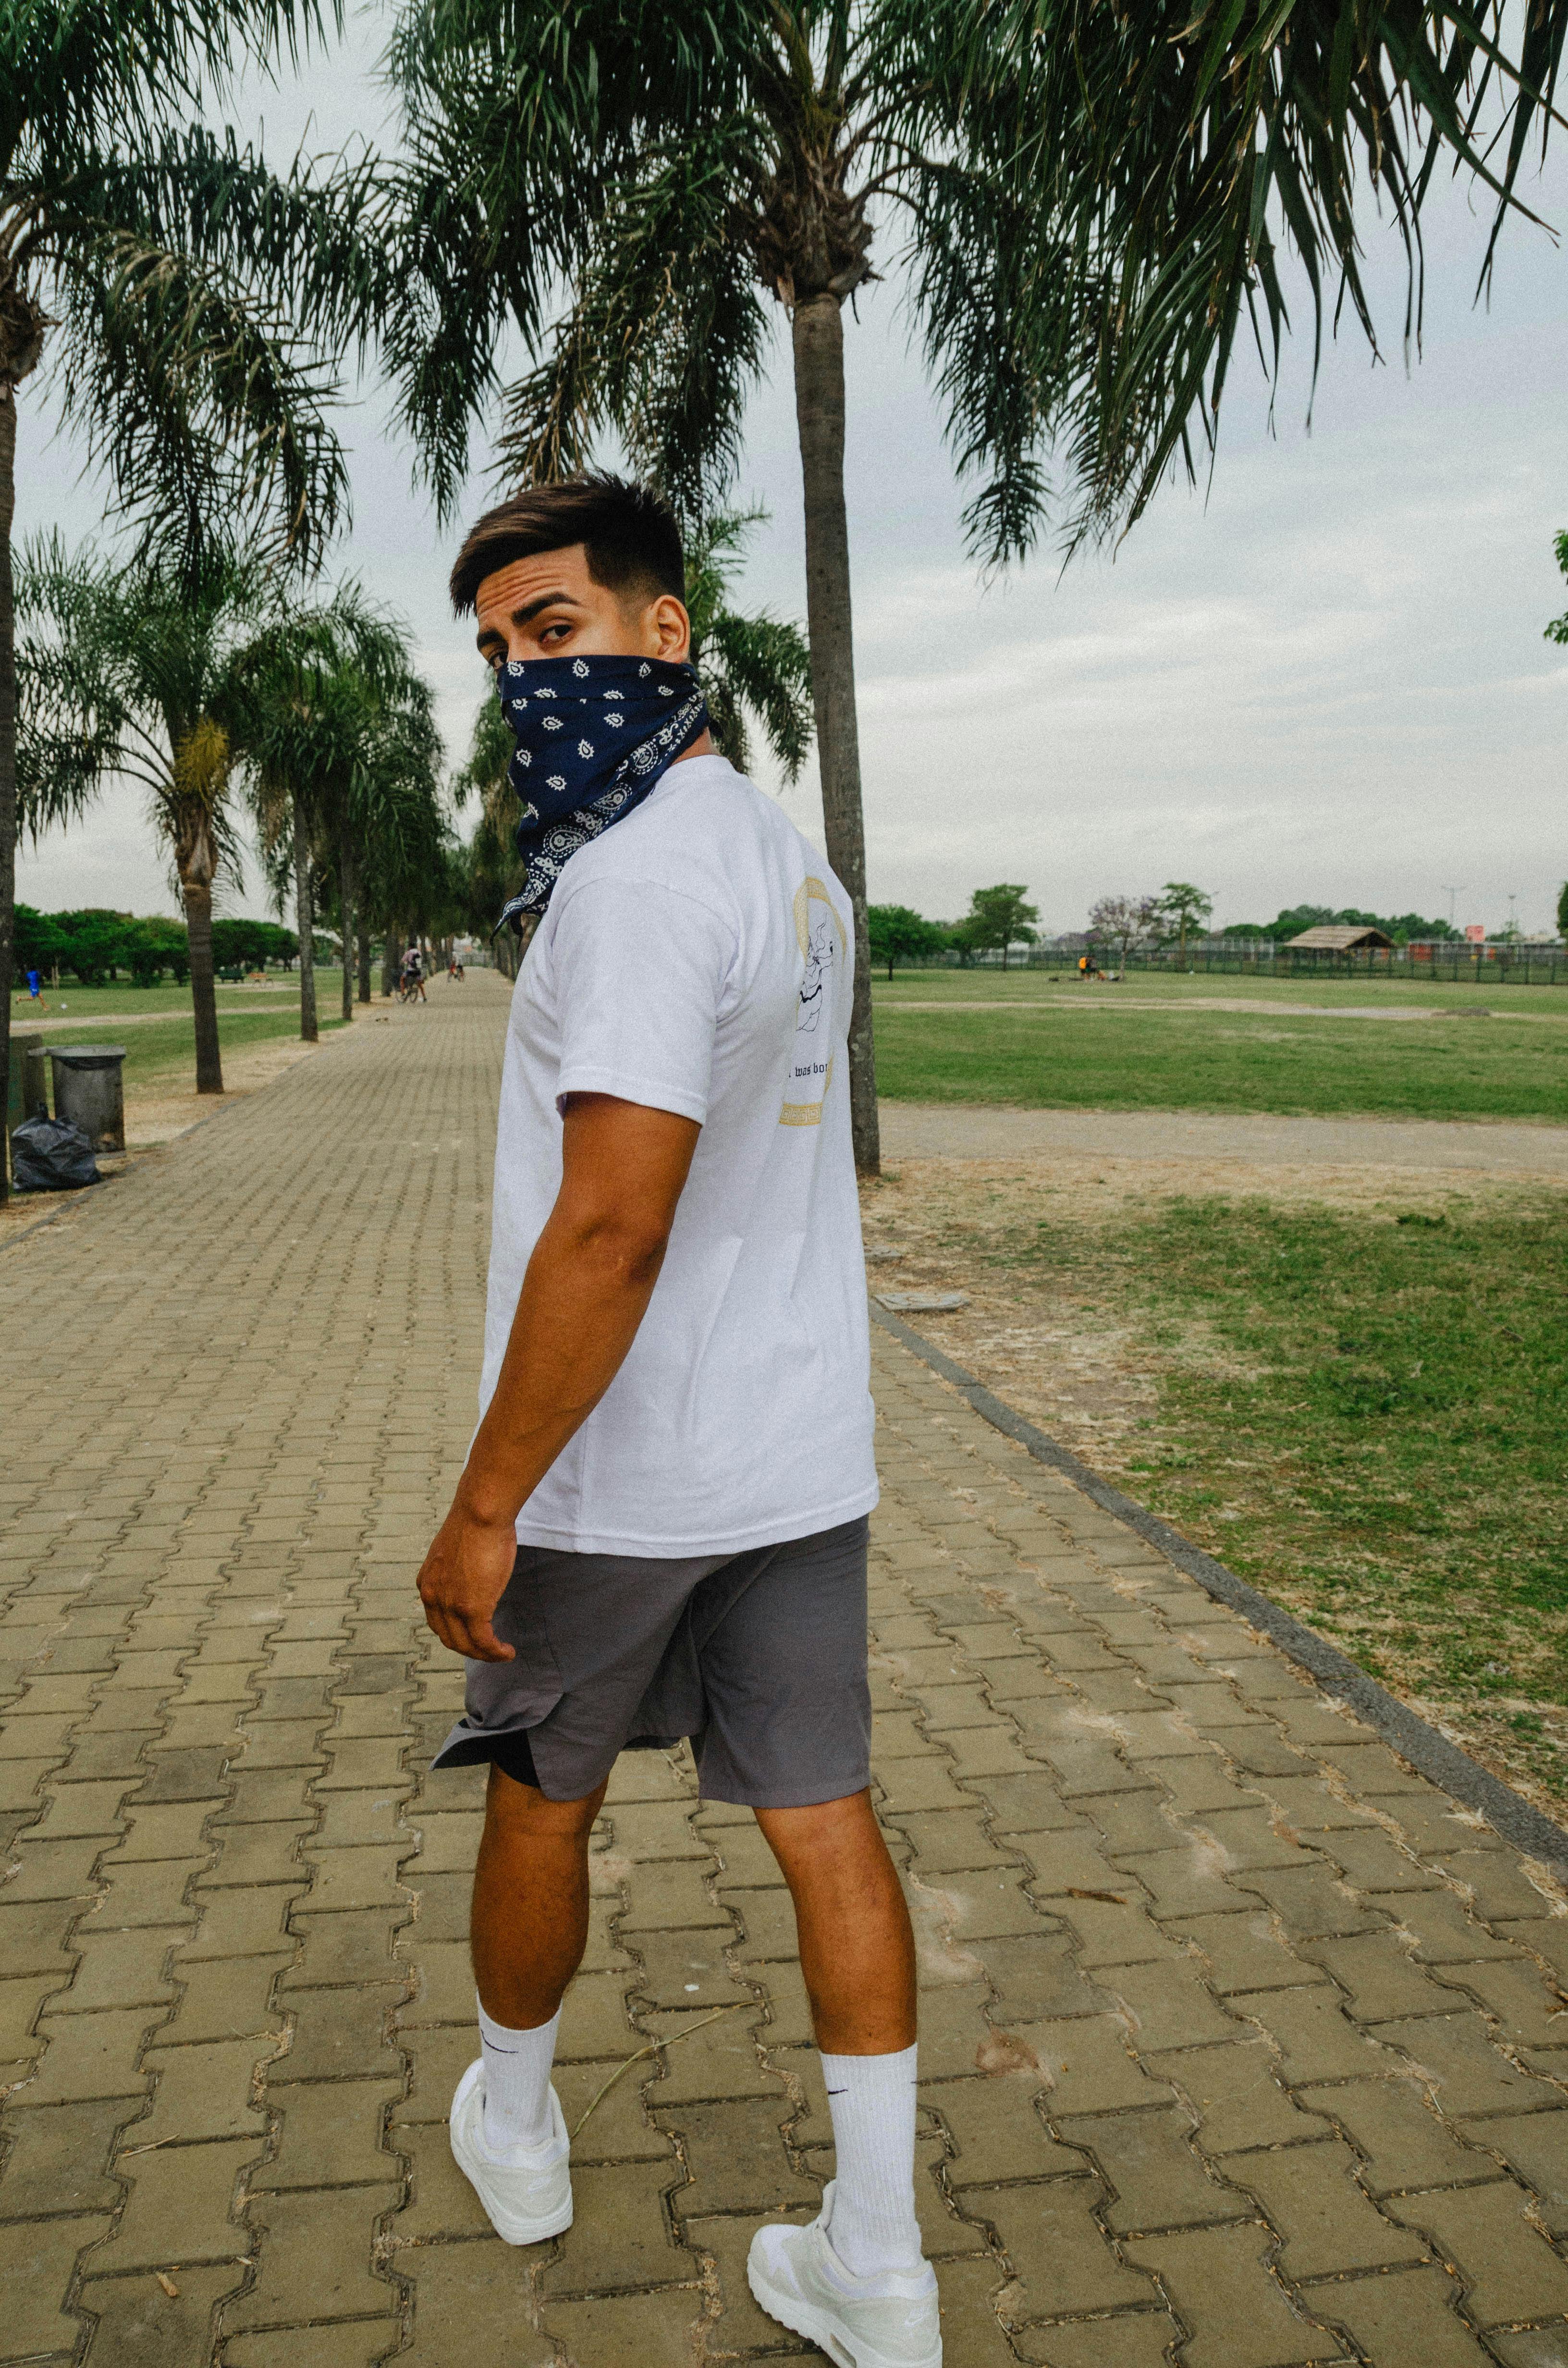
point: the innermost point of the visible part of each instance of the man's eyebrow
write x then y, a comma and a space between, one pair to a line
530, 611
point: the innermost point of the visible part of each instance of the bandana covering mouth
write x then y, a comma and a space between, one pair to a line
594, 737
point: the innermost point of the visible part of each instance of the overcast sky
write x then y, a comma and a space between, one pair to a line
1320, 679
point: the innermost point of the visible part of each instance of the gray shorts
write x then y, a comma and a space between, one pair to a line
759, 1657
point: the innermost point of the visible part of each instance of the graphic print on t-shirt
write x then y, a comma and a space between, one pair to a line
822, 944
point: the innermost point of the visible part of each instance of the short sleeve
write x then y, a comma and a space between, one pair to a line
638, 972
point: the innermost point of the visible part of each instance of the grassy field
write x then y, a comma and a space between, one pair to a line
138, 1001
1362, 1409
1286, 1047
160, 1049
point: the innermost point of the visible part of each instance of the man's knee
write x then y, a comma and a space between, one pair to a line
521, 1812
823, 1830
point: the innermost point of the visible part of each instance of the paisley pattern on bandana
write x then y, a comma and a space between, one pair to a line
594, 737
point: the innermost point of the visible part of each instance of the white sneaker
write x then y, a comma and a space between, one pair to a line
890, 2321
526, 2203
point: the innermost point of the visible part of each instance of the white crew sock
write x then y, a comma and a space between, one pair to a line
516, 2085
871, 2099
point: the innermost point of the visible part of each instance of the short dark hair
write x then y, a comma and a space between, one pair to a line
627, 531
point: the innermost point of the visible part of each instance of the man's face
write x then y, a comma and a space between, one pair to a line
549, 607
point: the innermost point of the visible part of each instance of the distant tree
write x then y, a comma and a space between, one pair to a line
1126, 921
1297, 917
40, 941
997, 917
1183, 907
1563, 911
898, 933
156, 945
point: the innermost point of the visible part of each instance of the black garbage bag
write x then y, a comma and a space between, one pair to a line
50, 1155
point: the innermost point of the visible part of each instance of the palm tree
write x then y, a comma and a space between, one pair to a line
1087, 198
128, 672
754, 669
342, 759
172, 281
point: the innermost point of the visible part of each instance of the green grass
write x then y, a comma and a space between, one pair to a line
163, 1054
1368, 1415
139, 1000
1026, 1051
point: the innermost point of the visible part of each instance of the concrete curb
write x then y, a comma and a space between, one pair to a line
1429, 1753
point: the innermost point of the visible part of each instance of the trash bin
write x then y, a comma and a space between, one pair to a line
89, 1092
26, 1091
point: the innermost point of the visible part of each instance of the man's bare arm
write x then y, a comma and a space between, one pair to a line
587, 1286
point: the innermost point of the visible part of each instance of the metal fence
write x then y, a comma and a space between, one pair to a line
1498, 964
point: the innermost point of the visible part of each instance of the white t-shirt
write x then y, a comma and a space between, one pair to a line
698, 958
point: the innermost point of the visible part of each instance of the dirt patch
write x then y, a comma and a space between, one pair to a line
1046, 1343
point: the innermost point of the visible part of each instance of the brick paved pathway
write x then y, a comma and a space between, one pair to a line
1243, 2048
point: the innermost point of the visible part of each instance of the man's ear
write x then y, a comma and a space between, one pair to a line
672, 627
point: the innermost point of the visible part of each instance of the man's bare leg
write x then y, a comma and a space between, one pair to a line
857, 1956
529, 1922
856, 1949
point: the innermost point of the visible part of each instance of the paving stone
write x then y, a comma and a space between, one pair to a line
1171, 2005
179, 2208
1316, 2039
315, 2259
120, 1969
618, 2234
709, 2060
58, 2162
1467, 2075
1235, 2090
1413, 2316
361, 2344
1527, 2007
137, 2324
1508, 2268
1154, 2178
652, 2329
340, 2034
1404, 2141
226, 1997
354, 1945
1025, 1805
1535, 2148
89, 2055
1061, 2259
331, 2135
1126, 2339
37, 2261
1220, 2284
1242, 1952
1444, 1933
735, 2153
240, 1923
1327, 2223
202, 2092
996, 2131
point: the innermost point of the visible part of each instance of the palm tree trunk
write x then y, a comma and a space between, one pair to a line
818, 327
305, 922
390, 952
364, 963
347, 884
198, 895
7, 759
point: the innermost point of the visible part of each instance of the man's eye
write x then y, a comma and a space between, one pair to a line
553, 632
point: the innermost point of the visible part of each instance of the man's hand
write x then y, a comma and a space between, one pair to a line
464, 1579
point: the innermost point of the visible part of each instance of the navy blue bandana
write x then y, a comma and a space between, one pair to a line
595, 736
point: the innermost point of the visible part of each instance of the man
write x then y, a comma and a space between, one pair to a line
661, 1530
413, 972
